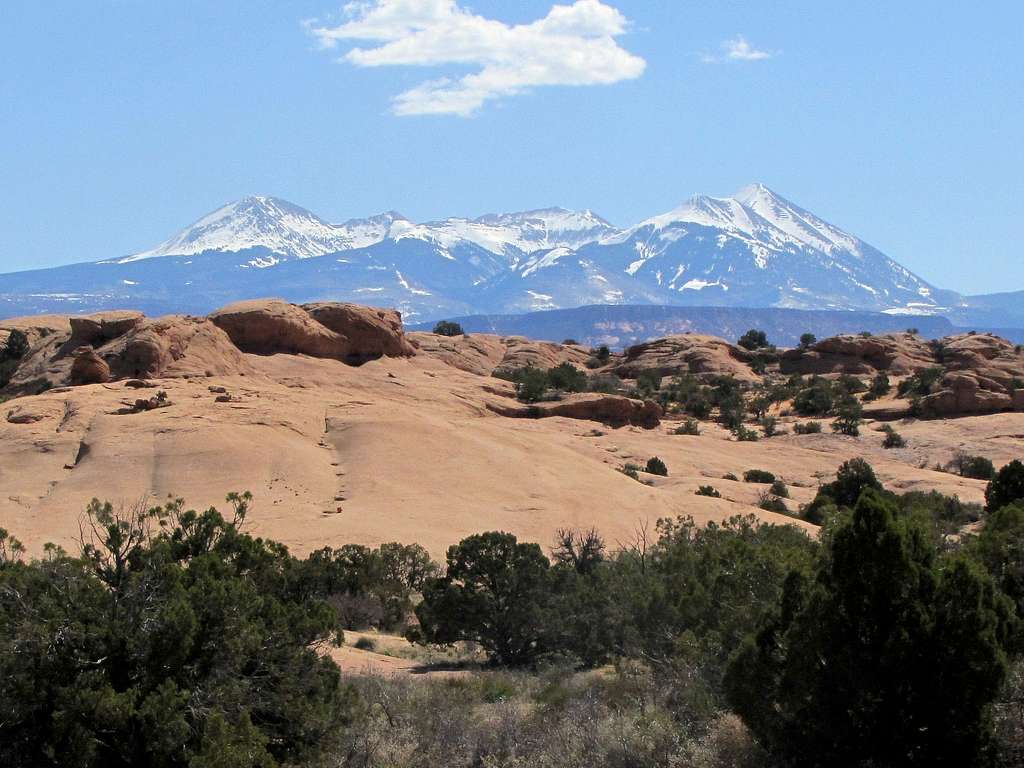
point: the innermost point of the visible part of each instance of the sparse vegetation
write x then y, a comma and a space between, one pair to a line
849, 416
807, 428
893, 439
708, 490
807, 340
11, 354
758, 476
975, 467
656, 466
448, 328
688, 427
753, 339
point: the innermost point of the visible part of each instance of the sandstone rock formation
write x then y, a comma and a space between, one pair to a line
483, 353
984, 374
88, 367
102, 327
896, 354
343, 332
613, 410
688, 353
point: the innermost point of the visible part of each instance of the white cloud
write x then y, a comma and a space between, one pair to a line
572, 45
738, 49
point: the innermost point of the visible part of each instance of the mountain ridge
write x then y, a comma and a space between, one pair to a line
754, 249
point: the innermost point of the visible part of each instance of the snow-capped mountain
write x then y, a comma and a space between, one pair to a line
754, 249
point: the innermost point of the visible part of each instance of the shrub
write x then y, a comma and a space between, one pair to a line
13, 350
771, 503
648, 382
531, 384
758, 476
921, 383
609, 385
1006, 487
688, 427
708, 490
570, 342
745, 435
631, 470
730, 476
816, 399
975, 467
567, 377
880, 387
807, 339
893, 439
448, 328
807, 428
656, 466
779, 489
882, 620
601, 354
753, 339
848, 416
366, 644
769, 425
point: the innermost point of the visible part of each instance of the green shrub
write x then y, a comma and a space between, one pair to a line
975, 467
807, 339
758, 476
807, 428
753, 339
880, 387
366, 644
771, 503
730, 476
708, 490
849, 413
1006, 487
817, 398
648, 383
688, 427
656, 466
921, 383
770, 426
631, 470
531, 384
567, 378
609, 385
745, 435
448, 328
893, 439
779, 489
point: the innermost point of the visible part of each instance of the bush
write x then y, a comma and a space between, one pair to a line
609, 385
807, 339
880, 387
893, 439
448, 328
769, 425
366, 644
656, 466
708, 490
816, 399
882, 621
849, 415
730, 476
807, 428
567, 378
921, 383
688, 427
745, 435
531, 384
758, 476
779, 489
771, 503
753, 339
975, 467
631, 470
13, 350
172, 639
1006, 487
570, 342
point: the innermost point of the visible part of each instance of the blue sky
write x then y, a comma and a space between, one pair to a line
124, 120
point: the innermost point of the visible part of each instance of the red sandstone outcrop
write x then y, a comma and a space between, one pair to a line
484, 353
896, 353
613, 410
344, 332
688, 353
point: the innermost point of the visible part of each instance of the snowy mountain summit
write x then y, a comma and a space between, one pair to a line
754, 249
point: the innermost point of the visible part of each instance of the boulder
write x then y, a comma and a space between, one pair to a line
613, 410
963, 392
694, 353
371, 333
271, 326
88, 367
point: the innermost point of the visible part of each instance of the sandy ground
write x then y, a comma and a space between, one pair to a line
406, 450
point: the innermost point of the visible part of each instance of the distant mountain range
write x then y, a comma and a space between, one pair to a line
623, 325
754, 249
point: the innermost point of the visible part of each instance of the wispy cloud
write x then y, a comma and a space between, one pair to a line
738, 49
572, 45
